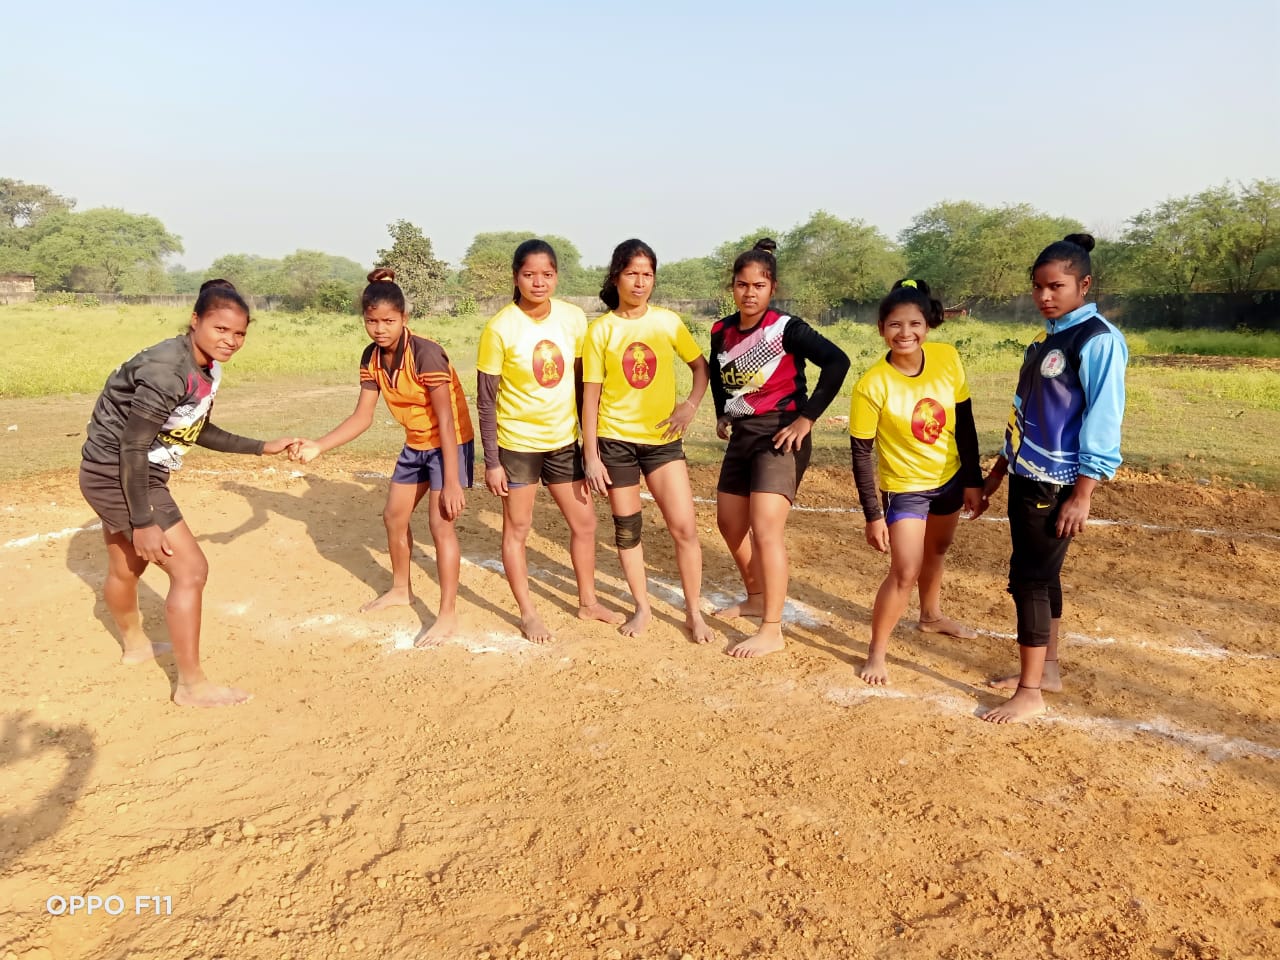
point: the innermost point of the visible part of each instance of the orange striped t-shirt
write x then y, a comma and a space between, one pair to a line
404, 376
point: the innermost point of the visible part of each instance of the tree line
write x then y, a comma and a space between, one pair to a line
1222, 239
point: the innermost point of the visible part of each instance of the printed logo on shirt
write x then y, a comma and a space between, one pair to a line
1053, 364
927, 420
548, 364
639, 364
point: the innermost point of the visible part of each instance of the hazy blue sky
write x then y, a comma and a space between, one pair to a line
264, 127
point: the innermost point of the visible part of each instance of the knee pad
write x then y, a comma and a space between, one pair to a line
1031, 600
1055, 600
626, 530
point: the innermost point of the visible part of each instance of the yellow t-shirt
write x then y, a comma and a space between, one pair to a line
537, 402
912, 419
634, 361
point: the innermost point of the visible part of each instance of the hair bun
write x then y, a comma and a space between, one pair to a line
219, 282
1081, 240
382, 275
911, 283
767, 244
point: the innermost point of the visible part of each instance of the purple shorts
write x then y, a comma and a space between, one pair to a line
427, 466
919, 504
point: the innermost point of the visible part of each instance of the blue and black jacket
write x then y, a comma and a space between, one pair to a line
1070, 401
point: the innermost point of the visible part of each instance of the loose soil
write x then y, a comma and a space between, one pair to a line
610, 798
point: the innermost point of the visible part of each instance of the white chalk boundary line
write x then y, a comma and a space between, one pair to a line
1150, 527
1218, 746
1198, 651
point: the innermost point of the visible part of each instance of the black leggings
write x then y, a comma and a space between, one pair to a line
1038, 553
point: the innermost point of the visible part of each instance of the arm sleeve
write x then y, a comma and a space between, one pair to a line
804, 341
487, 406
864, 477
135, 440
215, 438
967, 445
432, 364
719, 395
1102, 368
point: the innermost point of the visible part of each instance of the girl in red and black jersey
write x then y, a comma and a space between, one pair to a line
153, 408
424, 394
764, 410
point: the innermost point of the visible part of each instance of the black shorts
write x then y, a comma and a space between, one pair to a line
751, 463
101, 488
550, 466
626, 461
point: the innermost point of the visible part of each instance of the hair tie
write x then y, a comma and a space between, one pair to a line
909, 283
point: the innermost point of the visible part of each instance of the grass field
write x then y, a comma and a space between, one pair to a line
296, 374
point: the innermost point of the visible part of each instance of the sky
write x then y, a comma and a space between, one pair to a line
263, 127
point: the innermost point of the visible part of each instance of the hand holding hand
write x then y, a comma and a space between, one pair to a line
304, 451
279, 445
975, 502
723, 426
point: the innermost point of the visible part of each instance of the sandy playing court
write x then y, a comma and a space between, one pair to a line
606, 798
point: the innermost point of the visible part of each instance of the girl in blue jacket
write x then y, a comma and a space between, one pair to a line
1063, 439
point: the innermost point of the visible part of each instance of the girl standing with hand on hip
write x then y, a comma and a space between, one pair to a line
1063, 439
528, 387
913, 406
153, 408
765, 412
424, 394
632, 425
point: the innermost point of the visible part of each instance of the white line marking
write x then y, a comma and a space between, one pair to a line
43, 537
1151, 527
1218, 746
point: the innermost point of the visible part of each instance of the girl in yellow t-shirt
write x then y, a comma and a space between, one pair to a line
913, 404
528, 381
632, 425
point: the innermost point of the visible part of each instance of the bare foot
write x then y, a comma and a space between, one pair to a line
875, 671
598, 611
144, 652
395, 597
635, 626
752, 606
768, 640
438, 632
534, 630
1025, 704
1050, 681
697, 627
947, 627
208, 694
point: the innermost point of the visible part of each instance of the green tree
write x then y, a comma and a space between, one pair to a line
182, 280
419, 273
307, 275
251, 274
723, 256
26, 204
486, 266
1219, 240
697, 278
966, 251
825, 260
97, 249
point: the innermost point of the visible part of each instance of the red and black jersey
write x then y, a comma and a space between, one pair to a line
761, 370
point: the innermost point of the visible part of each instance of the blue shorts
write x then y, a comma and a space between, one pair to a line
920, 504
427, 466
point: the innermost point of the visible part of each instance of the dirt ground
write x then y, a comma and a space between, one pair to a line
649, 798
